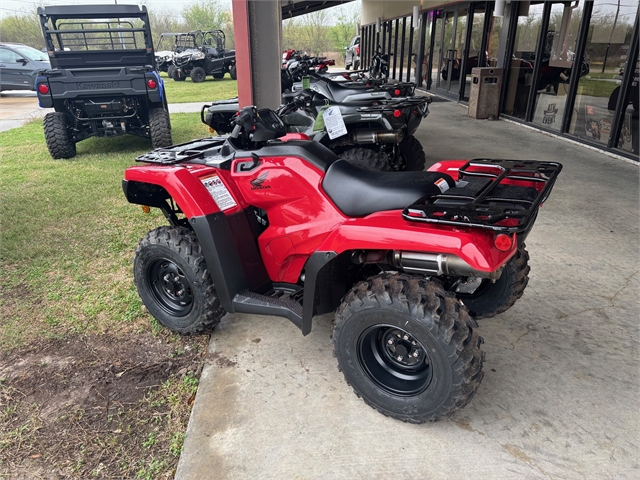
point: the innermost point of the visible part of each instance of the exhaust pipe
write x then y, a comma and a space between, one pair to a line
436, 264
376, 137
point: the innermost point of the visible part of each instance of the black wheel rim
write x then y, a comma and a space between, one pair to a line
170, 288
394, 360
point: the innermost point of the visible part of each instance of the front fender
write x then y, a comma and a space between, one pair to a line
180, 183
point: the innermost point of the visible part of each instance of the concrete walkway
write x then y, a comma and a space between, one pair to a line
560, 393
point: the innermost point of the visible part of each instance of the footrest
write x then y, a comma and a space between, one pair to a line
251, 302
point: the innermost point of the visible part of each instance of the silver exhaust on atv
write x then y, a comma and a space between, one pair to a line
366, 137
436, 264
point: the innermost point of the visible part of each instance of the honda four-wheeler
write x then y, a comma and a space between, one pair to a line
376, 137
208, 57
270, 223
103, 81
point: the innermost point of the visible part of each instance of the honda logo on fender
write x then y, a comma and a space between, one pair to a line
257, 183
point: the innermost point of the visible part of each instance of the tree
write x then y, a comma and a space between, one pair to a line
22, 28
209, 15
345, 28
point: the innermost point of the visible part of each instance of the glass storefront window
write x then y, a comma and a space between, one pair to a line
520, 77
558, 64
493, 41
475, 56
606, 50
630, 127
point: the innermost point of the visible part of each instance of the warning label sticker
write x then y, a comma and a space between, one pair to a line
442, 184
219, 192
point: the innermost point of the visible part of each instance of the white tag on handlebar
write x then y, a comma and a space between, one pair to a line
218, 192
334, 122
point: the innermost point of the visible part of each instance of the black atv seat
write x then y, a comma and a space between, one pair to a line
340, 92
357, 192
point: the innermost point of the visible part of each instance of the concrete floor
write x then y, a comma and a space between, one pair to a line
560, 393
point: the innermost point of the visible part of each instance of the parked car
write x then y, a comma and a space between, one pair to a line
19, 65
352, 54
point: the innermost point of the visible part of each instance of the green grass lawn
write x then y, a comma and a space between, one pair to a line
208, 91
68, 234
68, 238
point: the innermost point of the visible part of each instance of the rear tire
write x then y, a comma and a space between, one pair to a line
366, 159
356, 64
198, 75
173, 281
408, 348
58, 135
347, 66
491, 299
232, 73
159, 128
412, 154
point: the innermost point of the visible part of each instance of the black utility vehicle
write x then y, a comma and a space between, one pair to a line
205, 55
103, 80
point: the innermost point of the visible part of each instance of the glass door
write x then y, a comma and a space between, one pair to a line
448, 50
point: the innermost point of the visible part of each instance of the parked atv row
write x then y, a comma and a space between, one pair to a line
268, 222
299, 65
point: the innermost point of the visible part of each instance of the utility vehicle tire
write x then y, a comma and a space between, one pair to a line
218, 75
366, 159
58, 136
490, 299
170, 70
347, 66
413, 154
178, 75
232, 73
408, 348
356, 64
173, 281
160, 128
198, 75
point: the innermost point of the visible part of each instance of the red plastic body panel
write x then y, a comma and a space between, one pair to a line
303, 220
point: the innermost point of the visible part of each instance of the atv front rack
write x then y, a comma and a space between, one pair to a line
184, 152
499, 195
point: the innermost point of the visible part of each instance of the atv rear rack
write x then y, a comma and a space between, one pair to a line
499, 195
400, 103
184, 152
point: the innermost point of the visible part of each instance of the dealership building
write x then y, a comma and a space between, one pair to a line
568, 68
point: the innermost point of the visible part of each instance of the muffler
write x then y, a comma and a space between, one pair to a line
436, 264
365, 137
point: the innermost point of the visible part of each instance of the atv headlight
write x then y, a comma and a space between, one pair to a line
197, 56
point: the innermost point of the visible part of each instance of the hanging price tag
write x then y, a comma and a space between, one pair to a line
334, 123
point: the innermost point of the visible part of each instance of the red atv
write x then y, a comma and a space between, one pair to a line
272, 223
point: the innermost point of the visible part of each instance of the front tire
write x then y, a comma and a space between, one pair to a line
178, 75
159, 128
233, 73
491, 299
408, 348
170, 70
366, 159
356, 64
173, 281
58, 135
413, 156
198, 75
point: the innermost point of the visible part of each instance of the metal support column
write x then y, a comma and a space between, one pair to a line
257, 31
